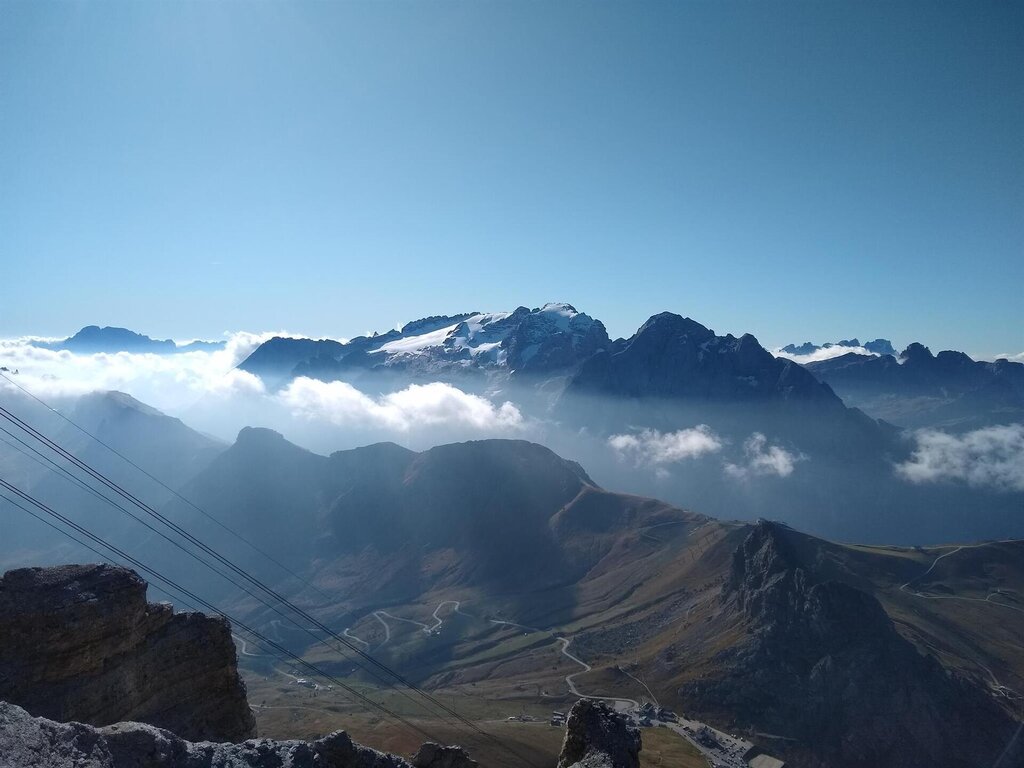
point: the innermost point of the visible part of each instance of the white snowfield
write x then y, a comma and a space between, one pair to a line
479, 337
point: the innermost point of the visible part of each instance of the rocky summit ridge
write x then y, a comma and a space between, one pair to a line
596, 737
80, 642
36, 742
822, 664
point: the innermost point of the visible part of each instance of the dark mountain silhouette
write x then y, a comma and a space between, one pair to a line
92, 339
919, 389
508, 514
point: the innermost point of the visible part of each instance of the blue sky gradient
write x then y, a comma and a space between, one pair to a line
796, 170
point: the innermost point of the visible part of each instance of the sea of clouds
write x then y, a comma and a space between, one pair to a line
209, 392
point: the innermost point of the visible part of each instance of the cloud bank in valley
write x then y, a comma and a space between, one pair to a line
207, 390
418, 405
822, 354
763, 458
653, 447
991, 457
167, 382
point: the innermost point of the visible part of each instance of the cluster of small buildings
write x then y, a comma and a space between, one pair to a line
648, 713
521, 718
736, 749
305, 683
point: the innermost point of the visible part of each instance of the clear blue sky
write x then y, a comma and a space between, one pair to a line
797, 170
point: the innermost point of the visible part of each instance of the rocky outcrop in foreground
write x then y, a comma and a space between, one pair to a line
598, 737
35, 742
80, 642
821, 662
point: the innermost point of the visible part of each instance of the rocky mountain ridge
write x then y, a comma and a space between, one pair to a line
820, 662
524, 341
878, 347
921, 389
496, 512
596, 737
36, 742
80, 642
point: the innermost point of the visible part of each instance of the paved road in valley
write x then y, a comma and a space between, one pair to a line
623, 705
998, 688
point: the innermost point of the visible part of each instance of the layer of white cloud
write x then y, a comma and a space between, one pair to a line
822, 354
763, 458
653, 447
167, 382
208, 390
992, 457
416, 406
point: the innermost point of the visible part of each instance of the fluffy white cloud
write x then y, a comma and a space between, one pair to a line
653, 447
168, 382
763, 458
418, 405
992, 457
822, 354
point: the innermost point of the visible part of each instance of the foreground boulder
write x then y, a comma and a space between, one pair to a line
596, 736
35, 742
80, 642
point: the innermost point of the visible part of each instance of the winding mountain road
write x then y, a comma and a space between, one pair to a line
244, 650
631, 705
347, 633
997, 687
430, 629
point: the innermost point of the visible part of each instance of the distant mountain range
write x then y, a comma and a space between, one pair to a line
754, 625
554, 355
522, 342
92, 339
919, 389
878, 347
559, 366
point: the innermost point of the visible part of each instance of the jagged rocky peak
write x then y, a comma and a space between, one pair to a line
822, 663
80, 642
916, 351
551, 337
878, 347
774, 589
35, 742
543, 339
675, 357
596, 736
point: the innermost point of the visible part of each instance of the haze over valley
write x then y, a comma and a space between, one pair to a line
517, 510
511, 385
